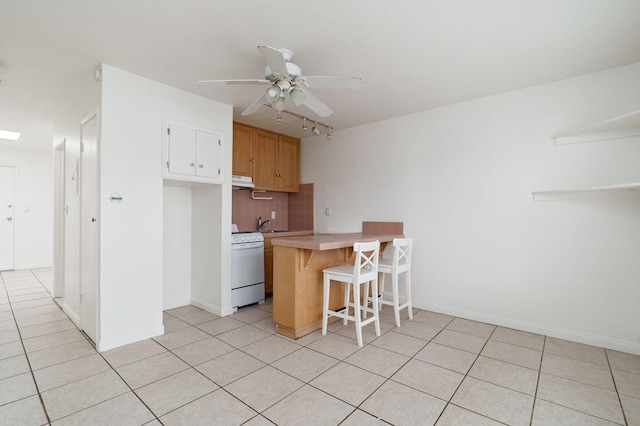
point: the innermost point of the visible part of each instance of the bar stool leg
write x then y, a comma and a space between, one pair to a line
356, 312
396, 303
374, 305
325, 303
347, 290
407, 283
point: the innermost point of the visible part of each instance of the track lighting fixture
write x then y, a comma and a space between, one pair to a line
278, 105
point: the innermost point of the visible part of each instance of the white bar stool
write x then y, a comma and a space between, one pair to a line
364, 270
394, 265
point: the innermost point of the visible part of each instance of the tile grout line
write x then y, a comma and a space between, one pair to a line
26, 355
535, 394
615, 387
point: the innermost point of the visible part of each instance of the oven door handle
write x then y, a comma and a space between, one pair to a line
247, 246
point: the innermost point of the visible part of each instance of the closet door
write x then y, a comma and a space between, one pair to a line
7, 217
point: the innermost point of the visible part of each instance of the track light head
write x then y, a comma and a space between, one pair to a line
315, 129
304, 124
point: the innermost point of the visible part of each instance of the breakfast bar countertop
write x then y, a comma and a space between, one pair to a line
323, 242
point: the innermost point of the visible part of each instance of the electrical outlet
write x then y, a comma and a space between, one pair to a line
273, 215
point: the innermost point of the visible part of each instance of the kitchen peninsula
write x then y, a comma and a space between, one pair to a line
297, 274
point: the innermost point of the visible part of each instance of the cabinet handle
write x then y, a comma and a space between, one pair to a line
200, 166
192, 164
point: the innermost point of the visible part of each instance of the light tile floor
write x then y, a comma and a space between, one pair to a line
236, 370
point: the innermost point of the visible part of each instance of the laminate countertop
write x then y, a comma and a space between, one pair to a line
323, 242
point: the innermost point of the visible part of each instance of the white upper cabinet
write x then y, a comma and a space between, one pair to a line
191, 154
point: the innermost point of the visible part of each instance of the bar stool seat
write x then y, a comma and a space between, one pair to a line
364, 270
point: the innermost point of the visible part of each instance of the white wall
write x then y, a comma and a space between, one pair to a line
460, 178
67, 128
34, 205
131, 238
177, 247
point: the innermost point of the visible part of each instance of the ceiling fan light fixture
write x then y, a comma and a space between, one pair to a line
273, 93
297, 96
278, 104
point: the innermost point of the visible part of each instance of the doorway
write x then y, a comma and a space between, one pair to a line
7, 217
59, 216
89, 226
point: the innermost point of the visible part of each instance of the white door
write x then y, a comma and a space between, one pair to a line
7, 217
90, 225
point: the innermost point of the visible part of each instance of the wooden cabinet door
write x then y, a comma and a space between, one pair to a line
288, 164
243, 142
265, 150
268, 270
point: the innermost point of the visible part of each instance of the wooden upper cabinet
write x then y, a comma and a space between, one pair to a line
276, 159
266, 164
243, 155
288, 164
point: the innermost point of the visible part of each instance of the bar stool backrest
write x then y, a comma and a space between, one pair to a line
365, 267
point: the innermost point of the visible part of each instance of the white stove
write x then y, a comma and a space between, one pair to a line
247, 268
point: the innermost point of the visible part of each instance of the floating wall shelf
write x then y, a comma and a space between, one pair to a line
610, 191
623, 126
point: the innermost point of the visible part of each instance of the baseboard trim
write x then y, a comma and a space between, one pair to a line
71, 314
560, 333
104, 345
173, 305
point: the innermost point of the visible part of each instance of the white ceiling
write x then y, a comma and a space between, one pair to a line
413, 54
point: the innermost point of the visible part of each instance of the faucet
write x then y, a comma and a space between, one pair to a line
262, 224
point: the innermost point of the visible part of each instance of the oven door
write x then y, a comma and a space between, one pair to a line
247, 264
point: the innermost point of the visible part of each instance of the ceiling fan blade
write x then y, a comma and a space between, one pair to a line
316, 105
333, 82
256, 105
241, 81
274, 59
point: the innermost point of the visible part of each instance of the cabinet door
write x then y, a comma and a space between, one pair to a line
208, 158
265, 152
268, 270
288, 164
182, 150
242, 150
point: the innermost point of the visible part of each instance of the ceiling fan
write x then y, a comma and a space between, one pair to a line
284, 77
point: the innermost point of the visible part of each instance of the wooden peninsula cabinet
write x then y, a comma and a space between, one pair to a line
272, 160
297, 277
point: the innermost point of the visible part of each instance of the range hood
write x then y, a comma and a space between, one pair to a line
238, 182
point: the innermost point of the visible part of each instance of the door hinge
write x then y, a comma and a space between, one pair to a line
218, 171
219, 142
80, 297
167, 165
169, 130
